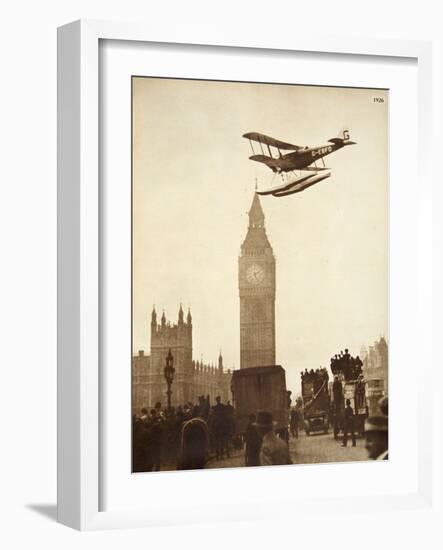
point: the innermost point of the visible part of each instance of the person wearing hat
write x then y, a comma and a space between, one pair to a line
274, 451
348, 424
220, 429
376, 431
252, 443
384, 406
194, 445
294, 422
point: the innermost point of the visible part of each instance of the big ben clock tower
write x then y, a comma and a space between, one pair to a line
256, 280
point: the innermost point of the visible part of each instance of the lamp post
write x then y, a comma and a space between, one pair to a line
169, 375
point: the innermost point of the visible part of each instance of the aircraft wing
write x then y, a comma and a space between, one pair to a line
269, 161
272, 142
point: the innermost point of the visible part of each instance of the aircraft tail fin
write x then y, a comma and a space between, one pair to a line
343, 138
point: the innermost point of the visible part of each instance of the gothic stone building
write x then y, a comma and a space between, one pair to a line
191, 379
256, 280
375, 369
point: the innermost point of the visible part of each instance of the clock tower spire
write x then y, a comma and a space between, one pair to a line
256, 215
256, 279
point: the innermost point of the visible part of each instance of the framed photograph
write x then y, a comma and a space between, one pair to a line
240, 232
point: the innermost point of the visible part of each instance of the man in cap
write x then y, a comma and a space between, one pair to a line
348, 424
376, 430
274, 451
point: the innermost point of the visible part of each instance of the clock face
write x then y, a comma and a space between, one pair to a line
255, 274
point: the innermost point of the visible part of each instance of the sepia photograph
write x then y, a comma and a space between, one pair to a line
260, 274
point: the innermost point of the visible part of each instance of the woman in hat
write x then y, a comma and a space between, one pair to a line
274, 451
194, 445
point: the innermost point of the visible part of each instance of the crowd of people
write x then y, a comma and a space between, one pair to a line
185, 437
317, 378
344, 363
310, 375
180, 437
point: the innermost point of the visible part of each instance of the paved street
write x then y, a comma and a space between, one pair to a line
323, 448
307, 450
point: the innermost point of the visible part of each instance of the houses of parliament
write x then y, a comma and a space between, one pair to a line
257, 289
191, 378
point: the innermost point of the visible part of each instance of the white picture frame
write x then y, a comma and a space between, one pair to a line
79, 294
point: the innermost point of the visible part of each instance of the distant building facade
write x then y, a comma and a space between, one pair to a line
375, 370
191, 378
141, 387
256, 281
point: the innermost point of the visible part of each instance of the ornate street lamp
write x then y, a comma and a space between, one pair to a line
169, 375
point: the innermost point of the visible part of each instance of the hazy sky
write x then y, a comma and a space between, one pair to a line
193, 185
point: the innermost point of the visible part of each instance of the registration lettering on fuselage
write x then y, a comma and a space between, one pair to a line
321, 151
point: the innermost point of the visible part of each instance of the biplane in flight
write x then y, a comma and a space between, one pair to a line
297, 169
